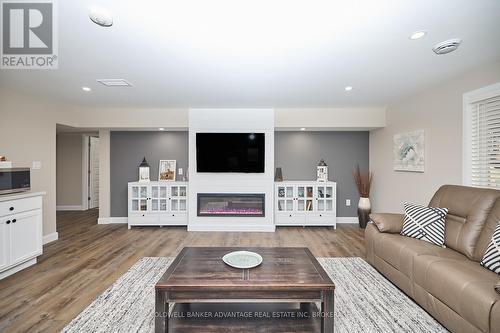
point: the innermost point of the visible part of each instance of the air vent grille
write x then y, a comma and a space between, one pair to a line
115, 82
447, 46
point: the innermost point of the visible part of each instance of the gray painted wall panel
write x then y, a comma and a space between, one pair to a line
296, 152
127, 151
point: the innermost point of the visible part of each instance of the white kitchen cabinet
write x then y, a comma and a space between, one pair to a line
20, 231
306, 203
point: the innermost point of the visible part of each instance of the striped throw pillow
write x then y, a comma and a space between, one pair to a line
491, 258
424, 223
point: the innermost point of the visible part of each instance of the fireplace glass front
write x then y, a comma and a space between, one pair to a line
231, 204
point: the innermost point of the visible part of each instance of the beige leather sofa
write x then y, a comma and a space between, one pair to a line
449, 283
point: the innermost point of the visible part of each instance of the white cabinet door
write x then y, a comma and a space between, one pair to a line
159, 198
139, 198
305, 198
4, 242
285, 198
25, 235
324, 198
178, 198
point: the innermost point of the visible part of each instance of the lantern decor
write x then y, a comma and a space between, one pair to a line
322, 171
144, 171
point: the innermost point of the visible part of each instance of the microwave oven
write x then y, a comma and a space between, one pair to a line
14, 180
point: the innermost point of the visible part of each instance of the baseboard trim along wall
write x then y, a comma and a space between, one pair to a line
78, 207
224, 227
112, 220
50, 238
347, 220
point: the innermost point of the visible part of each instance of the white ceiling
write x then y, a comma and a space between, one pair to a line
261, 53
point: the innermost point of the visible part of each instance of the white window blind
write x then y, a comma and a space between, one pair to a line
485, 168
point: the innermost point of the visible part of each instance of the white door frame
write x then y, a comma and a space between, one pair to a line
85, 171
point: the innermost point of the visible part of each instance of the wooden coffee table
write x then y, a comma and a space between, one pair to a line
287, 275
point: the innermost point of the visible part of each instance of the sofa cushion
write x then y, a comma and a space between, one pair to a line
491, 259
424, 223
399, 251
487, 232
387, 222
468, 208
463, 285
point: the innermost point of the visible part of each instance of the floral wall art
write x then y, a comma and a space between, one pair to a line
409, 151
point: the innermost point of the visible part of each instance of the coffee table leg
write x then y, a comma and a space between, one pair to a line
327, 308
161, 313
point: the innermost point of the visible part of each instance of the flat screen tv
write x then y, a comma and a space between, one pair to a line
230, 152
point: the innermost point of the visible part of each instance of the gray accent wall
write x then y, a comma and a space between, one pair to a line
126, 152
298, 154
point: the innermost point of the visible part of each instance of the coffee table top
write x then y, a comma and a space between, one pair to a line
283, 268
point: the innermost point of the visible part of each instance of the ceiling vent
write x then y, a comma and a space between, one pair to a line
114, 82
447, 46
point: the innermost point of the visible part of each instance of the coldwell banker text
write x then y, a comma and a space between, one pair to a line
29, 35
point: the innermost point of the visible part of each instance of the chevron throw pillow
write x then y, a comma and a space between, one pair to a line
491, 259
424, 223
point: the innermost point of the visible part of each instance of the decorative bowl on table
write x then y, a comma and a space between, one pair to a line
242, 259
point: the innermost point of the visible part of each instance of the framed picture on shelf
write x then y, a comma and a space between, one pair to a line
167, 170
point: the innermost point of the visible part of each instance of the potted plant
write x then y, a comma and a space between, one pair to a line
363, 180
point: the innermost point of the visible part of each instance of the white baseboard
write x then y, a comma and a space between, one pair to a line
347, 220
79, 207
50, 238
112, 220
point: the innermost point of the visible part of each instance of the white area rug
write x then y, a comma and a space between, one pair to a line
364, 301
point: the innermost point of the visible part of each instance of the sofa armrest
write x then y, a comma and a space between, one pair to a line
389, 223
497, 287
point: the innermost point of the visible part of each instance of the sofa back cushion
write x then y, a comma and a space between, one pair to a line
468, 209
489, 227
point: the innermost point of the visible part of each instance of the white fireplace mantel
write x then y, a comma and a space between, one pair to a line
232, 121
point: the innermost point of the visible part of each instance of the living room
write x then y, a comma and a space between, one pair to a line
249, 166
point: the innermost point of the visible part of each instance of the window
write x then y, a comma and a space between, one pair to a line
482, 137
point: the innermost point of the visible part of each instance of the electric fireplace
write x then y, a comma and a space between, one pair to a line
231, 204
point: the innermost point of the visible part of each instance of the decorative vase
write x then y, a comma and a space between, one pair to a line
364, 210
278, 176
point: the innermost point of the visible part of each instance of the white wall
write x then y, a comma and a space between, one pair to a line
231, 120
438, 111
27, 134
69, 153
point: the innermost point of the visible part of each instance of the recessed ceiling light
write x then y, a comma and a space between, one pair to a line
87, 89
101, 16
161, 129
348, 88
418, 34
302, 128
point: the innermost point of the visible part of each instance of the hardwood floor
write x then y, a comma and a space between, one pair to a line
88, 258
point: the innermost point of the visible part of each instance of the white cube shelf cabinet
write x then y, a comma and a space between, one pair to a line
157, 203
305, 203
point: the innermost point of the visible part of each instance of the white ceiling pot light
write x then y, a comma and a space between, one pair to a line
101, 16
86, 89
418, 34
447, 46
348, 88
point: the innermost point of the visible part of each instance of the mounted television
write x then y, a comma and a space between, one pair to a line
230, 152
